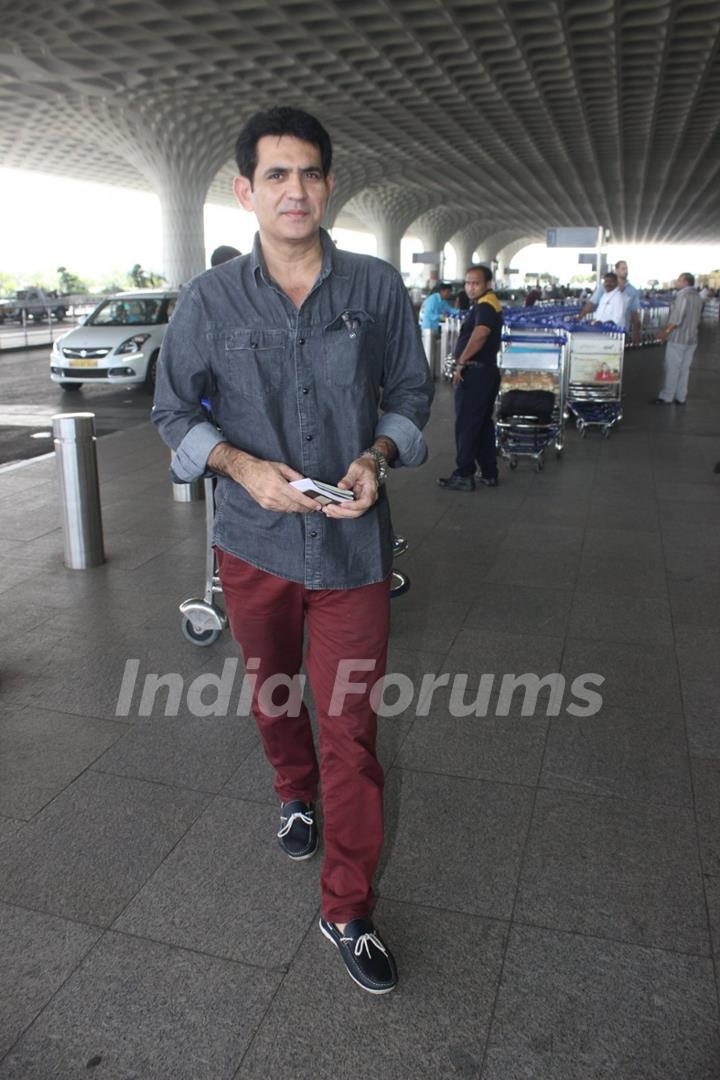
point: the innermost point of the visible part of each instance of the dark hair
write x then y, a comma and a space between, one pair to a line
485, 270
280, 120
611, 274
223, 254
690, 278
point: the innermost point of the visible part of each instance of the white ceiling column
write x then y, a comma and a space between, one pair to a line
388, 210
436, 226
465, 242
179, 165
508, 253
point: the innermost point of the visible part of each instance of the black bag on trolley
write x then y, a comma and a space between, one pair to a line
538, 404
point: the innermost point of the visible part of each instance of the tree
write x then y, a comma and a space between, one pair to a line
8, 283
70, 283
143, 279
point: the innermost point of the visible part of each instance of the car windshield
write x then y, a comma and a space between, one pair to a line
132, 311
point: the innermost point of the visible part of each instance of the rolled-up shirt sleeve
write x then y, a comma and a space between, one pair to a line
407, 385
184, 379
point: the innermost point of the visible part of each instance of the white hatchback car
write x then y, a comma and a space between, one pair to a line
119, 343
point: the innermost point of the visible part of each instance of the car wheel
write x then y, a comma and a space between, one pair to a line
68, 387
59, 313
151, 373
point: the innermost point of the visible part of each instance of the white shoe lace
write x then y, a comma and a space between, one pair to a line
364, 942
306, 818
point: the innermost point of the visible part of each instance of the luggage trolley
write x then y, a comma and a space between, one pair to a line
203, 621
531, 402
595, 380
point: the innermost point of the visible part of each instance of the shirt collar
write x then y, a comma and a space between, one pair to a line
332, 261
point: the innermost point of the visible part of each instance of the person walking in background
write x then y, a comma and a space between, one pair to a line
476, 381
680, 338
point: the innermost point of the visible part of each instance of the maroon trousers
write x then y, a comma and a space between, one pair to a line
267, 617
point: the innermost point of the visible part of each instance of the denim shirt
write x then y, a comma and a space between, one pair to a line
302, 386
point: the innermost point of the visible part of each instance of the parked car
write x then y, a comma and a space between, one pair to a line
119, 343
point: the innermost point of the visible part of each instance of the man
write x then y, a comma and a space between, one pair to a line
632, 302
293, 344
436, 305
680, 338
476, 380
611, 308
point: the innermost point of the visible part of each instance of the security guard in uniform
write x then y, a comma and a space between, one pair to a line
476, 381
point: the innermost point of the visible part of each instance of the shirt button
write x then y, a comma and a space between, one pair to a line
301, 341
313, 534
308, 438
305, 390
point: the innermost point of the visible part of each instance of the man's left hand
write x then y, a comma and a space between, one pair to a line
362, 479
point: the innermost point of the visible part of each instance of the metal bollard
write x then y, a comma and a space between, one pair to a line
75, 453
190, 492
431, 345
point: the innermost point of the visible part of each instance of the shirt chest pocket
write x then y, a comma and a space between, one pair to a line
256, 361
348, 348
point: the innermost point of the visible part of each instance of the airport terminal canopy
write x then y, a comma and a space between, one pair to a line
474, 121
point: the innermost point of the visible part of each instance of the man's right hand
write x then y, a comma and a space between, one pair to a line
267, 482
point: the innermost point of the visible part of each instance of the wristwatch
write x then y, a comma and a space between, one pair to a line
380, 461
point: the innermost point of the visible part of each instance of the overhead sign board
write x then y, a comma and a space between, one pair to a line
433, 257
582, 238
592, 261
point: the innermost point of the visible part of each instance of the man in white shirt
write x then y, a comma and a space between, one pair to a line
632, 306
613, 302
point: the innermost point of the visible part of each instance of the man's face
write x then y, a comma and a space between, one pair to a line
445, 293
609, 284
475, 284
681, 282
288, 192
621, 269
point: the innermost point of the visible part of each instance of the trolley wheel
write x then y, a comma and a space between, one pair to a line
513, 463
606, 431
539, 465
399, 583
582, 430
198, 637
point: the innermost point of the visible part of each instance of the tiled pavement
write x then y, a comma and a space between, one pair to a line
550, 883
